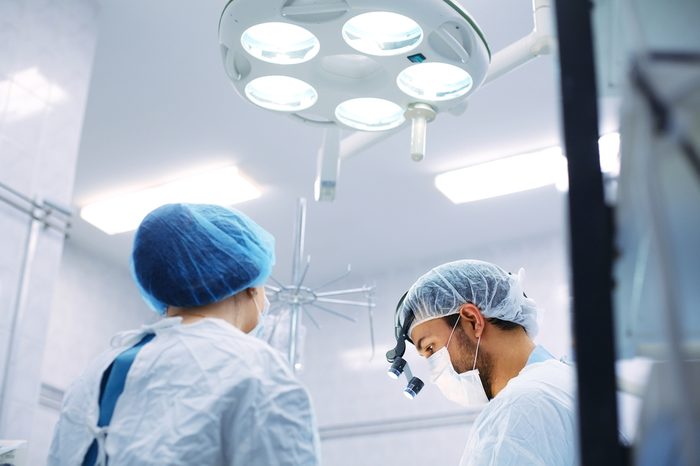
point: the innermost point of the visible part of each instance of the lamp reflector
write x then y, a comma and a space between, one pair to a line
370, 114
434, 81
281, 93
280, 43
382, 33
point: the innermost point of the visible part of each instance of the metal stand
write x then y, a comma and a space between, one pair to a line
590, 240
296, 297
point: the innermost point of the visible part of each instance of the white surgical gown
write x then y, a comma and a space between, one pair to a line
197, 394
532, 421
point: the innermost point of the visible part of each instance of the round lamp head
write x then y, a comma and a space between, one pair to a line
370, 114
382, 33
281, 93
280, 43
434, 81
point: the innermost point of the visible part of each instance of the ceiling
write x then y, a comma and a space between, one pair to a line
160, 104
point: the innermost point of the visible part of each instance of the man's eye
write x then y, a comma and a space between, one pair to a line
429, 349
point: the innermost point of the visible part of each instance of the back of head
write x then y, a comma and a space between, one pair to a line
498, 295
192, 255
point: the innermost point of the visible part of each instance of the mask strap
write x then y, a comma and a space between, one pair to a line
477, 352
453, 330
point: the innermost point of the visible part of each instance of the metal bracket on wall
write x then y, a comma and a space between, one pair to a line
49, 214
44, 215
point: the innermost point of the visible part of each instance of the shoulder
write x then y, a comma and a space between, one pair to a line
543, 393
549, 379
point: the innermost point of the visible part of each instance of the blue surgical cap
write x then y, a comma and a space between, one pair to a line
191, 255
498, 294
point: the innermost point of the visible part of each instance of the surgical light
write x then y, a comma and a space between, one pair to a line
124, 212
382, 33
434, 81
370, 114
281, 93
503, 176
334, 63
280, 43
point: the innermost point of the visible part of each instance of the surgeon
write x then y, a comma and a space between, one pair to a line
197, 387
475, 326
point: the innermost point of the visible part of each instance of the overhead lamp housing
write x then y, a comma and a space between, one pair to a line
346, 51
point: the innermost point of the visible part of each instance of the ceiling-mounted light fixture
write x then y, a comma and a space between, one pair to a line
424, 56
360, 64
503, 176
124, 211
522, 172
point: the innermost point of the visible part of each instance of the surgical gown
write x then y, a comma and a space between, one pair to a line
532, 421
198, 394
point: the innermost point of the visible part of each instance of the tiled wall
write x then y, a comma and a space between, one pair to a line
46, 54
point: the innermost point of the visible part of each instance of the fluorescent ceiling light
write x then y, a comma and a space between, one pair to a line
522, 172
434, 81
382, 33
503, 176
609, 147
280, 43
281, 93
124, 212
370, 114
27, 93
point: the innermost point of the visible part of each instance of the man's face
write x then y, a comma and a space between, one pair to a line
432, 335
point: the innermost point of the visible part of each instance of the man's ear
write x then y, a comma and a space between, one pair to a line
471, 315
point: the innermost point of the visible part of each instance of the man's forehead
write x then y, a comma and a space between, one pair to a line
427, 328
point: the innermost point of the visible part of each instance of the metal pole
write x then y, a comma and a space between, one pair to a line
590, 240
297, 271
299, 237
18, 309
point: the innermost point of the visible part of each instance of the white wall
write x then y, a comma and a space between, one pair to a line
94, 299
46, 53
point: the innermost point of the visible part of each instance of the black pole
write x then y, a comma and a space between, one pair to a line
590, 240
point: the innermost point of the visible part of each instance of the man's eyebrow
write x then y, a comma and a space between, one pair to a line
419, 344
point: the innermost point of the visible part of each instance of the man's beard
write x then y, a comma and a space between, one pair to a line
465, 360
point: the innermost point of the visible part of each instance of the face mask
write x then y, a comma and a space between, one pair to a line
260, 327
464, 389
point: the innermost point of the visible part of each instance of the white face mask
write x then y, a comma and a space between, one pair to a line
464, 389
260, 327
